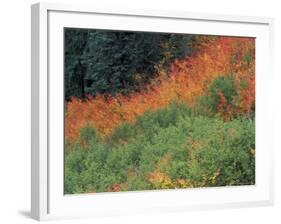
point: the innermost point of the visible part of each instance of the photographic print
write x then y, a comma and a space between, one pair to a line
152, 111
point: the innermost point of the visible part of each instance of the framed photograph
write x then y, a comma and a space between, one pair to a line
138, 111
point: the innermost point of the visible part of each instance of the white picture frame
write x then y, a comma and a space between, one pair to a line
47, 198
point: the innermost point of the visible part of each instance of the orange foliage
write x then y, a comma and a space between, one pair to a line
185, 80
160, 180
115, 188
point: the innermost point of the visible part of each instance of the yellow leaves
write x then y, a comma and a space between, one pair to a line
183, 183
160, 180
209, 180
214, 177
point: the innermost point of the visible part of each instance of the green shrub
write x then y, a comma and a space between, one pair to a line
224, 84
88, 134
224, 153
203, 151
208, 104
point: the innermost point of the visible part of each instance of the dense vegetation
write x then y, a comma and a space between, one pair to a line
158, 111
168, 148
98, 61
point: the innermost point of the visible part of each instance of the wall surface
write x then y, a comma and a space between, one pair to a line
15, 111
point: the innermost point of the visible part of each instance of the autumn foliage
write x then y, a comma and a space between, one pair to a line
186, 80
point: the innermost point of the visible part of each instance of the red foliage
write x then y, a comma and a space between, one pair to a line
185, 81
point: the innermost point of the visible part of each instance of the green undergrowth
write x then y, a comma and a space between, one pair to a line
175, 142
